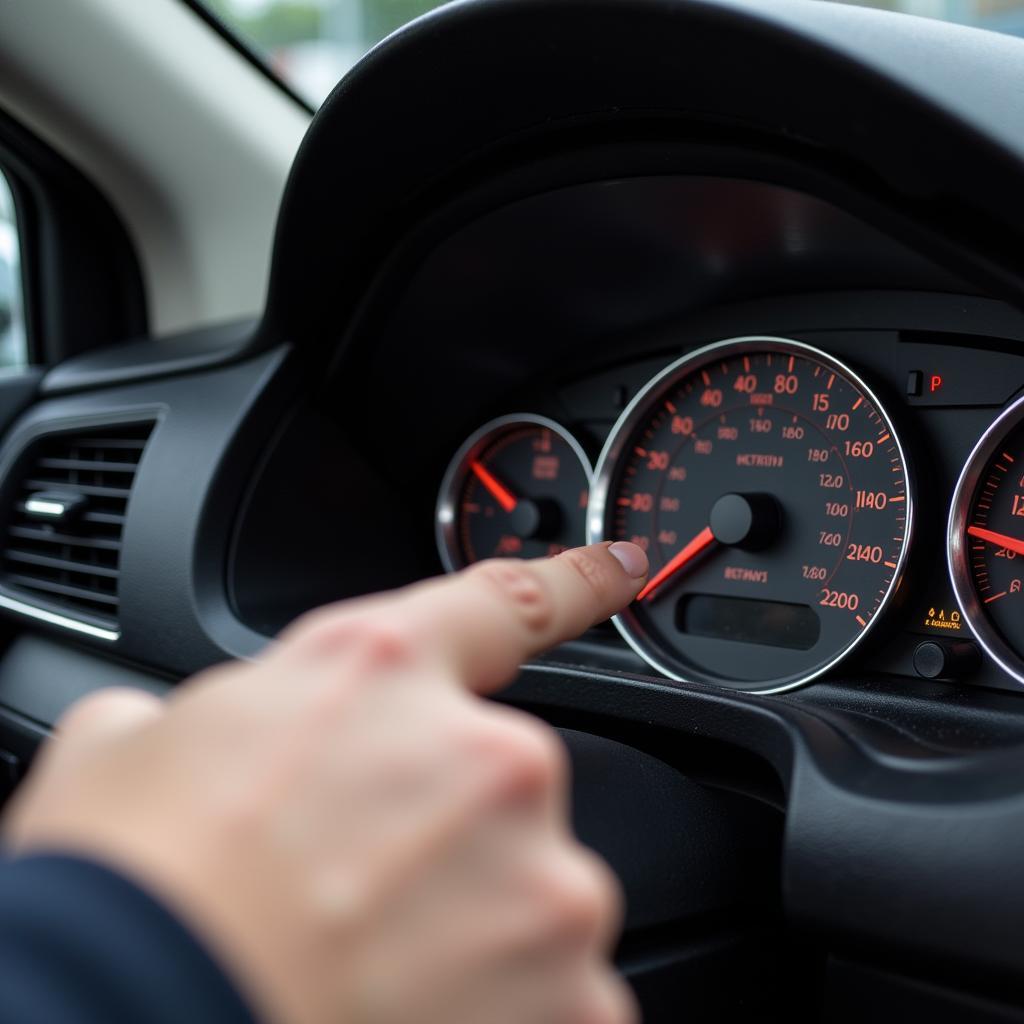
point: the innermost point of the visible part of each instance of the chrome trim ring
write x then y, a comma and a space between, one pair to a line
956, 552
451, 482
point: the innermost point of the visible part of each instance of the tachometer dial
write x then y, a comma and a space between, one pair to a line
768, 486
517, 488
986, 541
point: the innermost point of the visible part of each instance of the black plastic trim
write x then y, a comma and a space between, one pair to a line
894, 848
151, 358
648, 71
69, 674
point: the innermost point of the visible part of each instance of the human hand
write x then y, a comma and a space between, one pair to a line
353, 832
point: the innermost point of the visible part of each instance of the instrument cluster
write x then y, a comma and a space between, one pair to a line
776, 499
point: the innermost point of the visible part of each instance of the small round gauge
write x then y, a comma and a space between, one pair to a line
518, 488
986, 541
769, 489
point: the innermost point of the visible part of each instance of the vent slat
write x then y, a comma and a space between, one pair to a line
93, 490
74, 563
42, 535
63, 589
108, 518
127, 443
64, 564
88, 465
102, 518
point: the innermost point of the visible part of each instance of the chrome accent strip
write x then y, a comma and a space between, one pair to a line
53, 619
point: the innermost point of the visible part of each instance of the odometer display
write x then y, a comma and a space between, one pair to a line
769, 489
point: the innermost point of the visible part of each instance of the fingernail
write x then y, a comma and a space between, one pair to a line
630, 557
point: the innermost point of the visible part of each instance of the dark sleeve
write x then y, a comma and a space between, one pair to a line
79, 944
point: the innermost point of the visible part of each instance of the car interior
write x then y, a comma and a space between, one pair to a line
738, 281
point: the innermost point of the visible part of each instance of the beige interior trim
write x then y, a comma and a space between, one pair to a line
189, 142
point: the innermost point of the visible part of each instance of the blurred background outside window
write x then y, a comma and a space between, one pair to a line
13, 342
312, 43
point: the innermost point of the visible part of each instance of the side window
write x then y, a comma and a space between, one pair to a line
13, 338
310, 44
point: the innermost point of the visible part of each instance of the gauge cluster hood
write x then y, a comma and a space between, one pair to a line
921, 117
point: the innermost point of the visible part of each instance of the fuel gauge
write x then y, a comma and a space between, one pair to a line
517, 488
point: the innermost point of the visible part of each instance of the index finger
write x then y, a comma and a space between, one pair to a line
487, 620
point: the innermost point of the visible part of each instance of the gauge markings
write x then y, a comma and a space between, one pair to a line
1010, 543
822, 531
518, 488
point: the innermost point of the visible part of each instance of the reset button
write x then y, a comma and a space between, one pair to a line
954, 659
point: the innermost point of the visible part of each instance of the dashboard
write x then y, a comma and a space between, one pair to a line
779, 522
774, 335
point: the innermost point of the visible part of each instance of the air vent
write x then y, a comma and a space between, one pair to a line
63, 544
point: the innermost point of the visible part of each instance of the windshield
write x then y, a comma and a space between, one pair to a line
310, 44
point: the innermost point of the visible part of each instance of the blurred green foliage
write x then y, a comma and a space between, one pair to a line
278, 24
287, 22
382, 17
272, 24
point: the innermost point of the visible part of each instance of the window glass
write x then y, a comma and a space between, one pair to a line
312, 43
995, 15
13, 338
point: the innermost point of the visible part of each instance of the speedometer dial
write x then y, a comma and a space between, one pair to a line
770, 490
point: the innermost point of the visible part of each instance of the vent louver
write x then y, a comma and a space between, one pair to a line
63, 545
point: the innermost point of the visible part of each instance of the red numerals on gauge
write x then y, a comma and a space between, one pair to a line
770, 493
995, 537
986, 541
517, 489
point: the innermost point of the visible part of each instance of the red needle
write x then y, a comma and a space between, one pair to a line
502, 495
690, 552
997, 538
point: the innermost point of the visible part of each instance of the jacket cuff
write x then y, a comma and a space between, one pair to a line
80, 943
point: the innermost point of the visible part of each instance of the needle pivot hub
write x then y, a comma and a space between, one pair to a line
536, 520
749, 521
